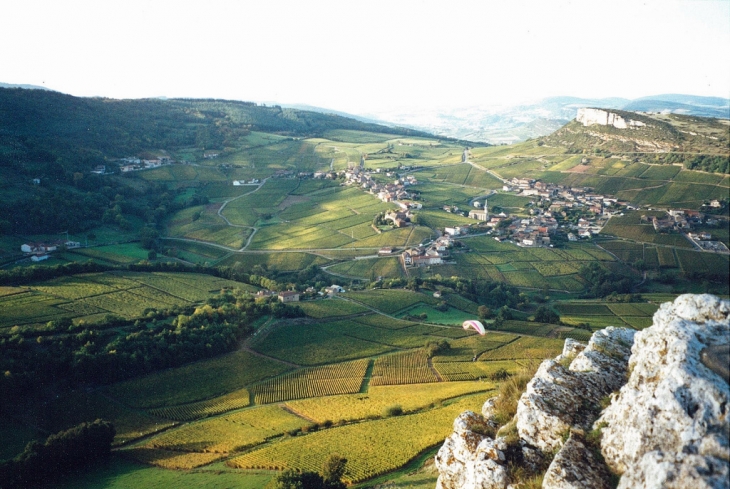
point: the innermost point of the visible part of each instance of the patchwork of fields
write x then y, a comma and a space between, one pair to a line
92, 296
331, 382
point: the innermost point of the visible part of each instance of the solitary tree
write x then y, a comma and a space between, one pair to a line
333, 470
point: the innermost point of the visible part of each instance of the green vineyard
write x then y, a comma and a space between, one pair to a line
195, 410
328, 380
402, 368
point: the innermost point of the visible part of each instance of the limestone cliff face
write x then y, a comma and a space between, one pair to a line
589, 117
668, 426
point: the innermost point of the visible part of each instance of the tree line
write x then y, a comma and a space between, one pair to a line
116, 349
61, 453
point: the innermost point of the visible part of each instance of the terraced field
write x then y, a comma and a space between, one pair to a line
596, 315
200, 443
200, 381
402, 368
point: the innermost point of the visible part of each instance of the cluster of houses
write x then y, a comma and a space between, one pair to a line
562, 197
398, 218
134, 164
532, 231
294, 296
388, 192
41, 251
676, 220
436, 253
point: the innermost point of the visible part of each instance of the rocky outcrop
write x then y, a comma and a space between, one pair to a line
559, 398
669, 425
589, 117
469, 459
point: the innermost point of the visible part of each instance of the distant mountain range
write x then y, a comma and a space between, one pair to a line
509, 124
29, 87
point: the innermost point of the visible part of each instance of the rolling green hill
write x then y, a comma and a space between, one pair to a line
44, 126
50, 142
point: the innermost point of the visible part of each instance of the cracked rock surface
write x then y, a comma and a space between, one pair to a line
558, 398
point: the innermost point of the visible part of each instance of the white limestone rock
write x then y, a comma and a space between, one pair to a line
657, 470
571, 348
589, 117
558, 398
669, 425
576, 467
469, 459
488, 412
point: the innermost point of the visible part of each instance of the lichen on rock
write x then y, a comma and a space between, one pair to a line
577, 466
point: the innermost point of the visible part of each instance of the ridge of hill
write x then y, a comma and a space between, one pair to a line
696, 142
24, 85
51, 143
78, 133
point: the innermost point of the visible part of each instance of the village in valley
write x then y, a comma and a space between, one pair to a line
554, 212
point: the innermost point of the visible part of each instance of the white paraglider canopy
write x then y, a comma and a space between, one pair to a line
479, 327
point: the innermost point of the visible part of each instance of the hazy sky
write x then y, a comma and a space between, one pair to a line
368, 55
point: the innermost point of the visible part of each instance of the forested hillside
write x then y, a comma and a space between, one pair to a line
43, 126
50, 142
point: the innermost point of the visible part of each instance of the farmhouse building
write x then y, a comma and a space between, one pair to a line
334, 289
288, 296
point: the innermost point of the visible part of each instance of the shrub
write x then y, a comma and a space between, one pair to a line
395, 410
499, 375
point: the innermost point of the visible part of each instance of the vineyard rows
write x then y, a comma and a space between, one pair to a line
341, 378
195, 410
548, 269
356, 442
374, 403
525, 347
229, 433
171, 459
402, 368
463, 371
